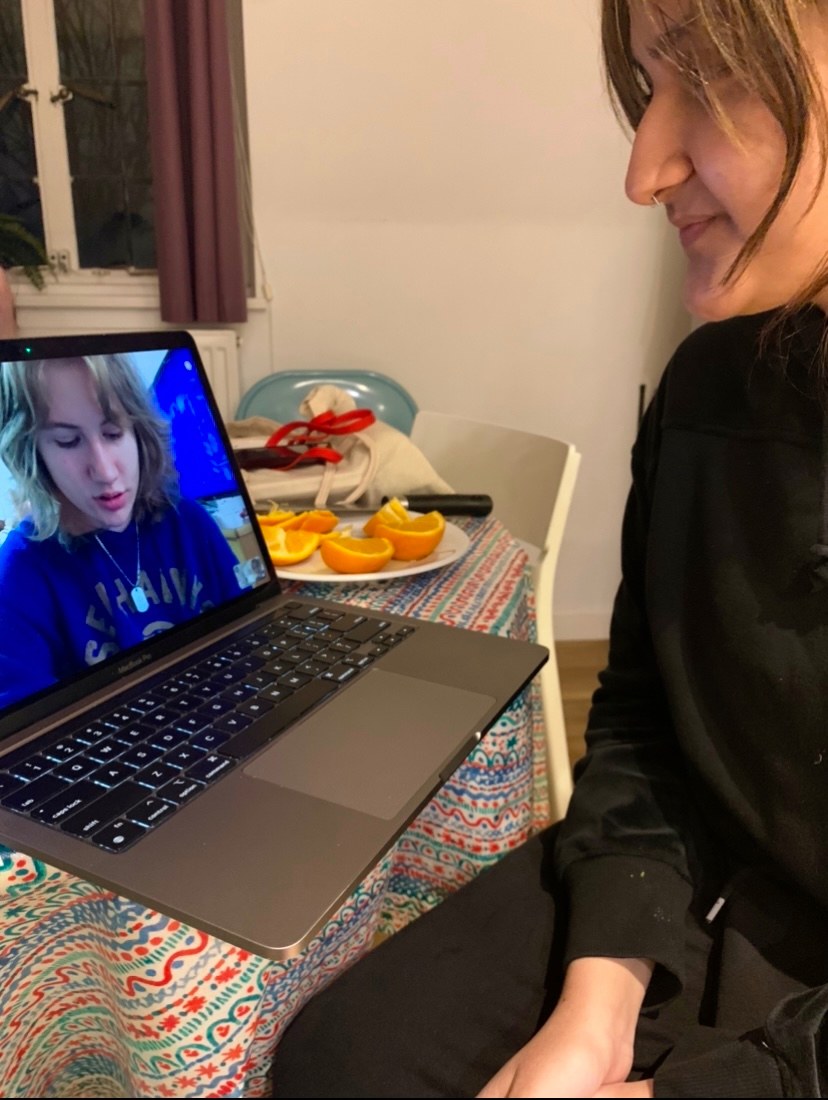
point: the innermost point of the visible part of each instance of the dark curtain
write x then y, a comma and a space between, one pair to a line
192, 145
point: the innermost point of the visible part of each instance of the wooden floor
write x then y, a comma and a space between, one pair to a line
578, 665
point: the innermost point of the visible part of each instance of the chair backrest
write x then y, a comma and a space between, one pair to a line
531, 479
521, 471
279, 395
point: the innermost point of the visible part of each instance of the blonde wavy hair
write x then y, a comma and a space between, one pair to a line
123, 400
759, 42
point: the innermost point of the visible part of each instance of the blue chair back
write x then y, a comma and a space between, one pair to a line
279, 395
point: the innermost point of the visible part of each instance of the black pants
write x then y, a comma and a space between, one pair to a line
439, 1007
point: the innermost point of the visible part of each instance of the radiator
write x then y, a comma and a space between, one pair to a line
219, 352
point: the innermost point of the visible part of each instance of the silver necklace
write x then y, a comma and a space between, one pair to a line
136, 593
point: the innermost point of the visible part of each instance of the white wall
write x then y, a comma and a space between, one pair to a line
438, 192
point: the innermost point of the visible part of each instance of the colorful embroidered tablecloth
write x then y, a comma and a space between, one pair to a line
100, 996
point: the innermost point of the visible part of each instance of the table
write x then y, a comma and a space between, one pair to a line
101, 996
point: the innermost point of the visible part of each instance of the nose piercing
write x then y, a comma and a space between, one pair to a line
655, 202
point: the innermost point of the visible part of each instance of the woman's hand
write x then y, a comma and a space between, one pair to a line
587, 1042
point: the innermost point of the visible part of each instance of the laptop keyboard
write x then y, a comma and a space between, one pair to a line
118, 773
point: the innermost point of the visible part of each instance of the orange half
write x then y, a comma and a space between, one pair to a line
347, 555
290, 547
391, 514
416, 538
320, 519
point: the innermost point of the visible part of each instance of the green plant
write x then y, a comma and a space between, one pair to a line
18, 248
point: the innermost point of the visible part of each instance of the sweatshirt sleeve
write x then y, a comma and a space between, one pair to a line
787, 1057
624, 848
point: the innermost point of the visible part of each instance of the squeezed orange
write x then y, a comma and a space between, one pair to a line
318, 519
415, 538
392, 513
274, 517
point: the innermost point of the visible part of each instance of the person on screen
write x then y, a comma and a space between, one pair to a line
668, 938
108, 554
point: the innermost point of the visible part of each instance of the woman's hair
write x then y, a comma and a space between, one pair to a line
123, 400
758, 42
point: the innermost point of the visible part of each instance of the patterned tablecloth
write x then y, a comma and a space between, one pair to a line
100, 996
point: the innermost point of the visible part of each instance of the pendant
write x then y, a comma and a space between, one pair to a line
139, 599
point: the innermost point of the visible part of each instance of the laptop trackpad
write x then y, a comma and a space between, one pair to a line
374, 745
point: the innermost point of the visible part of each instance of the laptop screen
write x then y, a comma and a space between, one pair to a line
120, 510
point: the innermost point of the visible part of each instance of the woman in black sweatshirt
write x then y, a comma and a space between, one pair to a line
670, 938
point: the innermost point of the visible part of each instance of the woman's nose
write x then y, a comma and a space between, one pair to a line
102, 466
659, 160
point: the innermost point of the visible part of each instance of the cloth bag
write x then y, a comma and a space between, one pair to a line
376, 462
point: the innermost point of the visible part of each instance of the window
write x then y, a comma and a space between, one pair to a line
73, 131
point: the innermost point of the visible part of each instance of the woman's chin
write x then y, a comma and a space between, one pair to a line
713, 302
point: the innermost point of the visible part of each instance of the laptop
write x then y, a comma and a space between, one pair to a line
173, 726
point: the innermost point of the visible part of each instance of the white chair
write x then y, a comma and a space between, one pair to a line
530, 479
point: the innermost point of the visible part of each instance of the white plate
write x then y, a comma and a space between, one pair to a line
453, 545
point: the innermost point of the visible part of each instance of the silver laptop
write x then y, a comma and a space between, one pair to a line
172, 726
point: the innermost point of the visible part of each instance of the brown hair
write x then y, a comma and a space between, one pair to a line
760, 43
123, 399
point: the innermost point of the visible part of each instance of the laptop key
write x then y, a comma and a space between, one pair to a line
105, 751
191, 723
215, 708
151, 811
143, 704
210, 739
25, 798
113, 804
346, 623
307, 668
255, 707
181, 790
31, 768
140, 756
339, 673
251, 739
67, 802
259, 679
133, 734
185, 757
276, 693
112, 774
239, 693
296, 679
358, 660
365, 631
157, 774
62, 750
169, 739
119, 718
89, 735
232, 723
8, 783
76, 768
118, 836
210, 767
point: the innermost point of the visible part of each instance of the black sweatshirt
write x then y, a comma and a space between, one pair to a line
708, 737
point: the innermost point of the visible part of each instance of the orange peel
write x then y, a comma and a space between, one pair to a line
415, 538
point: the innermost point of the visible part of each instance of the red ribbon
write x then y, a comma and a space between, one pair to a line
310, 434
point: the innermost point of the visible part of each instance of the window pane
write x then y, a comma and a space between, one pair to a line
101, 50
19, 191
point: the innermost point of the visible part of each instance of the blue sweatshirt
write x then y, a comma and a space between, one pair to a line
66, 608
